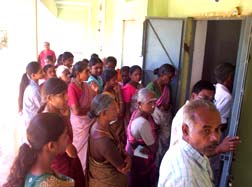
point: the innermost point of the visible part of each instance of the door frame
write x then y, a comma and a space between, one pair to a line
238, 91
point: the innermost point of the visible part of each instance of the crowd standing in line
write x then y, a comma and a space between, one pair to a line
116, 132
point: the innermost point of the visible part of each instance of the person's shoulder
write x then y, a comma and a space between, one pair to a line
150, 85
49, 180
140, 120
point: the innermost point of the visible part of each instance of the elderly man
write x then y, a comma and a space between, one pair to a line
46, 52
203, 90
186, 163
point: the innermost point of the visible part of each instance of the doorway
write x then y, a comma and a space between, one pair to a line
216, 41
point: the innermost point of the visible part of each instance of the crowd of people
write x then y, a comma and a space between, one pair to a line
88, 124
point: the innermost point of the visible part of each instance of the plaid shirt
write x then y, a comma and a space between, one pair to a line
183, 166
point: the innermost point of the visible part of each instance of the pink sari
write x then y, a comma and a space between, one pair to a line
81, 124
143, 171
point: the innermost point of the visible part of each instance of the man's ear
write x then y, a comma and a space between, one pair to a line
193, 95
185, 130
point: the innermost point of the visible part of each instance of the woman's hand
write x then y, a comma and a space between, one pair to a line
127, 165
94, 87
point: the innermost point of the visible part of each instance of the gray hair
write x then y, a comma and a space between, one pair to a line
190, 109
100, 103
143, 94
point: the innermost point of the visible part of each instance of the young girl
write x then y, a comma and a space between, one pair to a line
49, 72
80, 96
130, 89
124, 75
47, 137
29, 93
55, 99
67, 59
95, 66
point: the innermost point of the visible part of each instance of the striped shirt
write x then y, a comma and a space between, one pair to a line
183, 166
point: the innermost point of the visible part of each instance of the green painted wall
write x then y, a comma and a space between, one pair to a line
157, 8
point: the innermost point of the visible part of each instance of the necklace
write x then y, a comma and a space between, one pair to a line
79, 84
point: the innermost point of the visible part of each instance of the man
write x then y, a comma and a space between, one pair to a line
224, 74
203, 90
46, 52
186, 163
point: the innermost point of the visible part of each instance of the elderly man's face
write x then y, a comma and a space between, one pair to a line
204, 135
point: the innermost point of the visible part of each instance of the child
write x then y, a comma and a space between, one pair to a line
49, 60
29, 93
130, 89
124, 75
49, 72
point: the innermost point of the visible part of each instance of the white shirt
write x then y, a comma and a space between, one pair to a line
184, 166
223, 101
176, 128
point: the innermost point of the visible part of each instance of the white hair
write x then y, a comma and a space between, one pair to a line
191, 108
143, 94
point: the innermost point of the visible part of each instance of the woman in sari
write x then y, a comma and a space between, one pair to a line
54, 95
80, 96
108, 161
113, 89
47, 137
129, 91
162, 114
141, 141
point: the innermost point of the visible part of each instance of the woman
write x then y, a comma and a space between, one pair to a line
129, 91
95, 66
80, 96
47, 137
162, 114
108, 162
141, 139
29, 93
113, 89
54, 95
